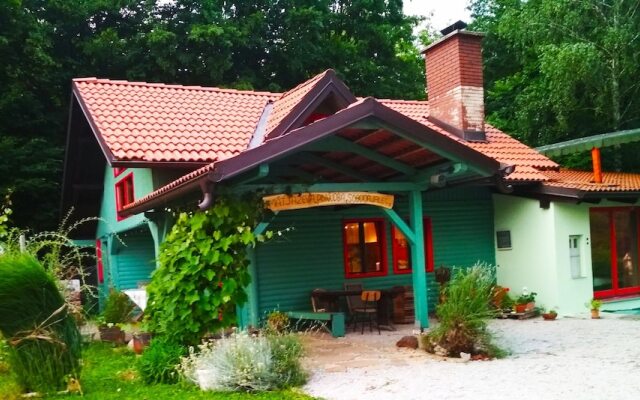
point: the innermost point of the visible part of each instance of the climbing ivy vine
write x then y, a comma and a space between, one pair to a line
203, 270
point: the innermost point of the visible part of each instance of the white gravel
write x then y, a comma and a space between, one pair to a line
570, 358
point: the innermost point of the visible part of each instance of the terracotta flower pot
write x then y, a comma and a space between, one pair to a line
140, 341
520, 308
549, 316
595, 314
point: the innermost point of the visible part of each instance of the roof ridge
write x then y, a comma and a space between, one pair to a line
303, 84
403, 101
175, 86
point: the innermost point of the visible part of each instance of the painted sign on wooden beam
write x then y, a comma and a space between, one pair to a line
280, 202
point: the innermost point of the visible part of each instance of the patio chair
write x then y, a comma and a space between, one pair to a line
316, 304
353, 301
369, 312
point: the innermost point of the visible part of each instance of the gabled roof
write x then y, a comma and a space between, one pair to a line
368, 109
150, 122
293, 107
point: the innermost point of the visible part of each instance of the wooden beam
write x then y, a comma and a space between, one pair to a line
335, 166
335, 143
329, 187
400, 224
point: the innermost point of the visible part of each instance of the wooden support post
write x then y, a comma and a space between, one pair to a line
248, 312
597, 165
417, 261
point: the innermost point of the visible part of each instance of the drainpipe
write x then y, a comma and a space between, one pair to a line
597, 165
206, 187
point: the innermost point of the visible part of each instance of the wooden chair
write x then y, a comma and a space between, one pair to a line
369, 312
316, 304
353, 301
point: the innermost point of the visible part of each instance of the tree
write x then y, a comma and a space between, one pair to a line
561, 69
264, 45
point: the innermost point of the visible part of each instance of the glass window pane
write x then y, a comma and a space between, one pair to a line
627, 247
354, 256
372, 247
600, 251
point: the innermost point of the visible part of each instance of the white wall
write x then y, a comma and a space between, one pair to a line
572, 219
531, 260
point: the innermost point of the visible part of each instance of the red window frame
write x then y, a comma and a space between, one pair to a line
125, 194
99, 264
117, 171
397, 248
616, 291
381, 230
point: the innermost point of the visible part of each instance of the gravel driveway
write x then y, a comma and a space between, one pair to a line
570, 358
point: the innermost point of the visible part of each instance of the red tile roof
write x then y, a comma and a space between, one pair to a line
499, 145
583, 181
170, 123
288, 100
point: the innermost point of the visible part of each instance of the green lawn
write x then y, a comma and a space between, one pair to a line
109, 373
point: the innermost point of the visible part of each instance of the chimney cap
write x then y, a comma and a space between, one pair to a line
456, 26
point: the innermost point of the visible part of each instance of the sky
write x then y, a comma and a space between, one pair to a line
443, 12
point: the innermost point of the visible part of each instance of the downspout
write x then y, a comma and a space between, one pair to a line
207, 188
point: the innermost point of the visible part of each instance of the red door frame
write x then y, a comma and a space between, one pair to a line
613, 243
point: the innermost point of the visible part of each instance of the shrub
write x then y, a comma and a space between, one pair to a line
159, 361
117, 308
44, 341
463, 315
277, 322
203, 271
245, 363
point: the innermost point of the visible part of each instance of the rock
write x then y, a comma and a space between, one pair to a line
408, 341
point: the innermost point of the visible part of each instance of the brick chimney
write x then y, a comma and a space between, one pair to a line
454, 82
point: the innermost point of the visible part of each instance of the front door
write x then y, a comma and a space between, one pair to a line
614, 251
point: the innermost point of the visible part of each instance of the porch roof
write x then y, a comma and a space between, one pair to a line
365, 142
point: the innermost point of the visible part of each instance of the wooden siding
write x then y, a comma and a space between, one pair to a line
134, 263
311, 256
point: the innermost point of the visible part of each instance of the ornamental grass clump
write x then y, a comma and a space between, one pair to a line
463, 315
42, 336
246, 363
159, 361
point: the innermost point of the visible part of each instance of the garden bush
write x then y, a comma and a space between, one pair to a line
463, 315
247, 363
117, 308
44, 341
159, 361
203, 271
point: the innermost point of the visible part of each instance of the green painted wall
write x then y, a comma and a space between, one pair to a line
125, 265
311, 256
133, 261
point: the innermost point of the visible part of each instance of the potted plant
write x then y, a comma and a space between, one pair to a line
526, 301
549, 315
595, 305
140, 341
117, 310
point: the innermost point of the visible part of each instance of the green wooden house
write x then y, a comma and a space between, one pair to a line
135, 150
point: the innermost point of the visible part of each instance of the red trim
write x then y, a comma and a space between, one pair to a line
381, 233
397, 249
615, 290
125, 194
99, 265
118, 170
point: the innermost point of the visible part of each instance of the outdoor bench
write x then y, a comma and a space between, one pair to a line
336, 319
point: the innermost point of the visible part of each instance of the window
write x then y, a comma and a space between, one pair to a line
402, 250
575, 256
124, 193
118, 171
503, 240
99, 265
364, 248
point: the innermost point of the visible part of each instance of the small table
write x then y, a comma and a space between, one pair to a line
385, 320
